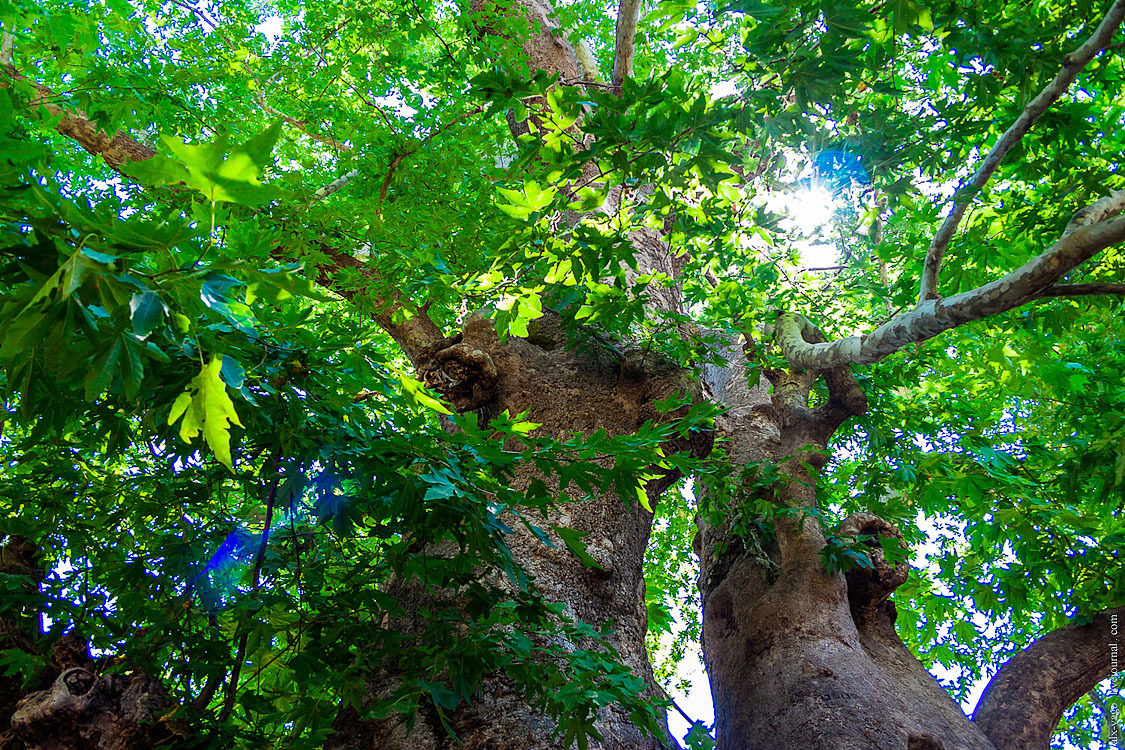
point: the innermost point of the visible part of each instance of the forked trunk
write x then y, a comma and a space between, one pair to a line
799, 657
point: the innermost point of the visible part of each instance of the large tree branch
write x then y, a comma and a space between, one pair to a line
1025, 699
628, 14
1072, 66
413, 335
1028, 282
117, 150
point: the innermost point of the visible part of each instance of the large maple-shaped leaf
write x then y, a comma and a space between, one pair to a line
220, 171
206, 407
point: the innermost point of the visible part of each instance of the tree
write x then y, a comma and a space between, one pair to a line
374, 371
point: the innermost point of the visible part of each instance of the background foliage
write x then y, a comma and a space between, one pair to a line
225, 464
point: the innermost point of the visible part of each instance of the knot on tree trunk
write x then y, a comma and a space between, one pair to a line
464, 375
869, 587
84, 710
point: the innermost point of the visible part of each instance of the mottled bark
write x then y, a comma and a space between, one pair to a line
1026, 698
628, 14
934, 316
798, 656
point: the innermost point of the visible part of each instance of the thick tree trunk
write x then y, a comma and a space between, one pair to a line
567, 392
798, 656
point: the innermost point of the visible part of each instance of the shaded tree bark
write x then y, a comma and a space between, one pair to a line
1026, 698
566, 392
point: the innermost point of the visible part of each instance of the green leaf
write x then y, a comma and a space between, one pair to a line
572, 538
417, 391
104, 369
206, 408
220, 172
148, 311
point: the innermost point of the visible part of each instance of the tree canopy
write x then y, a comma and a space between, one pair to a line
234, 234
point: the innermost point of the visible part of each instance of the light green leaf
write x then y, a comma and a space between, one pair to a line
206, 408
417, 391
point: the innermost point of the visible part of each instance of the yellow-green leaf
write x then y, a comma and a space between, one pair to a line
417, 391
206, 408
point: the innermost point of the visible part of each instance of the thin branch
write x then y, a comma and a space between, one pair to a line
444, 44
1026, 698
684, 713
934, 316
300, 125
205, 19
387, 180
1081, 290
240, 652
1109, 723
212, 685
824, 269
628, 14
1072, 66
342, 182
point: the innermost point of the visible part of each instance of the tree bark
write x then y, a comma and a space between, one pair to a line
1026, 698
798, 656
566, 392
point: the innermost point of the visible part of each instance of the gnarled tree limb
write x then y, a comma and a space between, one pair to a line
1072, 66
1025, 699
1028, 282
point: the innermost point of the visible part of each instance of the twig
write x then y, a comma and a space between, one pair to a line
422, 15
1111, 725
301, 125
206, 19
339, 184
